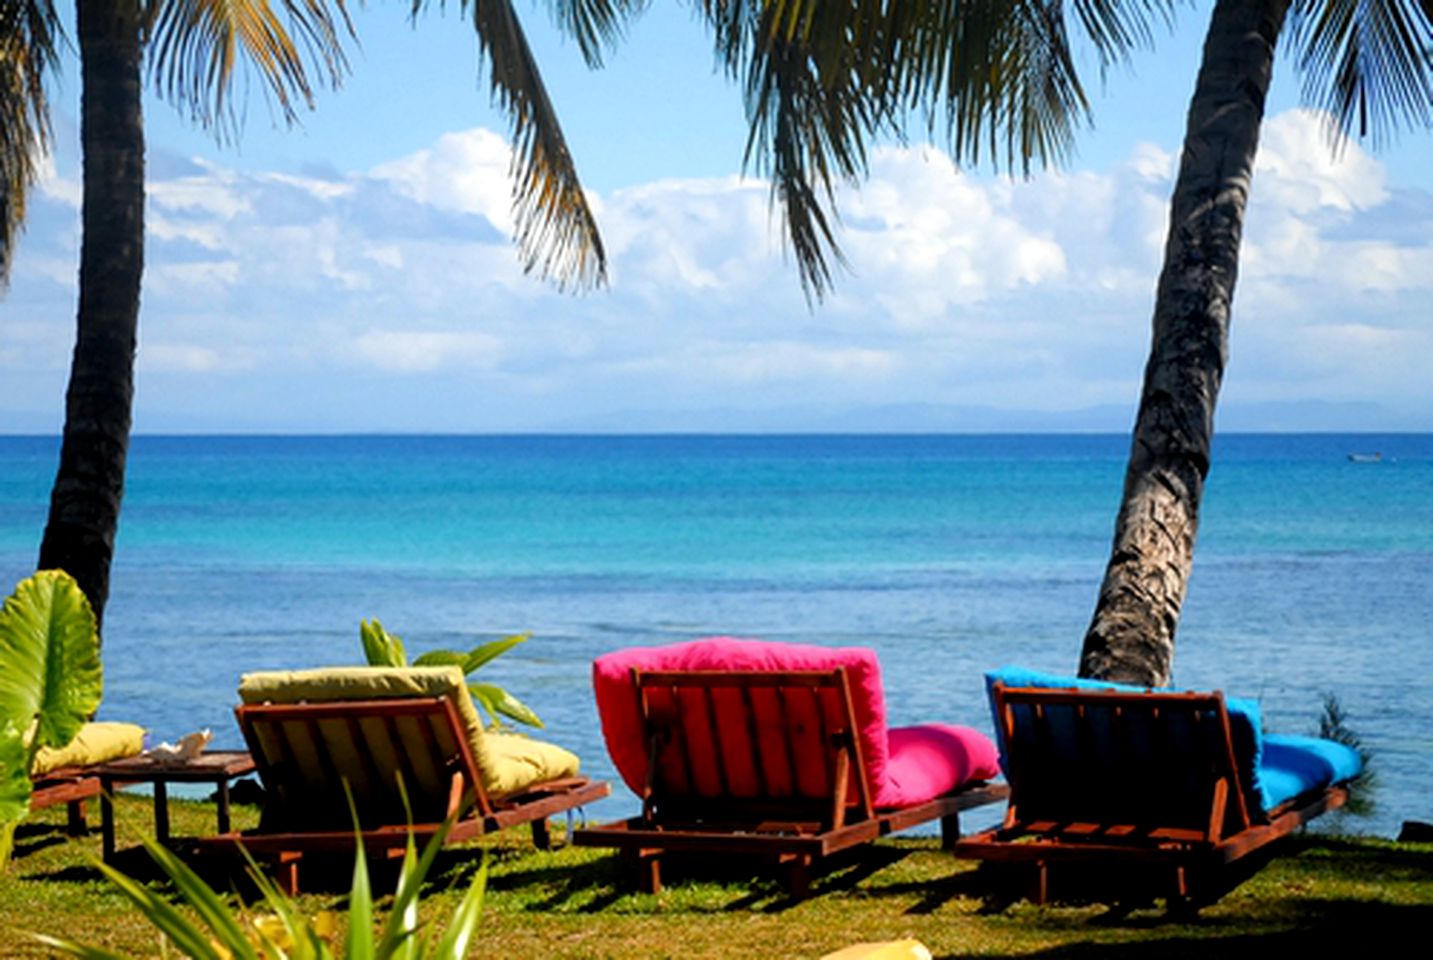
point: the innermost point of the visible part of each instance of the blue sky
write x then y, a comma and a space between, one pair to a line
355, 274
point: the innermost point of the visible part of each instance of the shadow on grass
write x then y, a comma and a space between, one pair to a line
1319, 928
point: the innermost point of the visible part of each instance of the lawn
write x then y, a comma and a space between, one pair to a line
1323, 893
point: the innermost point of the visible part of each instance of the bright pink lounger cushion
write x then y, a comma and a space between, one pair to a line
907, 765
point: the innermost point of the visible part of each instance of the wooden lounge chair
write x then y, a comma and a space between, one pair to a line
66, 775
72, 786
785, 756
1162, 793
409, 745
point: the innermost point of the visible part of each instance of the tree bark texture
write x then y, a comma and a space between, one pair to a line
89, 484
1131, 636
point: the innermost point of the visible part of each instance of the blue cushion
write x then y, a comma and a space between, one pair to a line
1244, 721
1293, 765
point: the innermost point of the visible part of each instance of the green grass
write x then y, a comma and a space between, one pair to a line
1321, 894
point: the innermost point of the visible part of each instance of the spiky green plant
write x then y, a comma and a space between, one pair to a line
285, 932
1333, 725
384, 649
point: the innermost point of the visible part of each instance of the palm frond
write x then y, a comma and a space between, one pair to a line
596, 25
194, 47
1369, 63
820, 79
557, 233
29, 37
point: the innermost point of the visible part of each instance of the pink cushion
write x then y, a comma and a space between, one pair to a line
935, 758
910, 766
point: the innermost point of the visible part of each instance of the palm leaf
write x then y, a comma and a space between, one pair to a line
820, 79
1369, 63
381, 648
441, 658
496, 701
29, 34
489, 652
195, 46
557, 234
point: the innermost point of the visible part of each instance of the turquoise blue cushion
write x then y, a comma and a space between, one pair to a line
1292, 765
1244, 721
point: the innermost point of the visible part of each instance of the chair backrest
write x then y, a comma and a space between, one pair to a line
1134, 764
310, 731
751, 746
623, 728
381, 749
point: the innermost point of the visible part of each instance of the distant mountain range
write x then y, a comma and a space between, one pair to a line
1234, 417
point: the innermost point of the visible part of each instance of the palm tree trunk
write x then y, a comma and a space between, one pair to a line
84, 504
1131, 637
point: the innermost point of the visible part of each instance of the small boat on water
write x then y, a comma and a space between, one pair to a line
1375, 457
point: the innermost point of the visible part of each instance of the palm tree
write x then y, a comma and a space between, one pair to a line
193, 48
819, 77
1369, 61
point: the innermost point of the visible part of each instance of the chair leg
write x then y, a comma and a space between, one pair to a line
645, 866
1040, 883
541, 834
75, 823
949, 830
798, 877
287, 874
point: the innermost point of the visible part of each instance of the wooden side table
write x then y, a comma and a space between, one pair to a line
217, 767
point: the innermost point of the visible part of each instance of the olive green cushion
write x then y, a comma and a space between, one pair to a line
520, 761
95, 743
506, 762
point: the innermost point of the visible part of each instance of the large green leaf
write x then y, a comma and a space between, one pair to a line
441, 658
50, 674
15, 784
381, 648
495, 700
491, 651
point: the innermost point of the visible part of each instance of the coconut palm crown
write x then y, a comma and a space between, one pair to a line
193, 50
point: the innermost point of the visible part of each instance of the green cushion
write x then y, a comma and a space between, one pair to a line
503, 766
95, 743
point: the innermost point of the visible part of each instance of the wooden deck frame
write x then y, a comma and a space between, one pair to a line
793, 831
291, 826
71, 786
1190, 827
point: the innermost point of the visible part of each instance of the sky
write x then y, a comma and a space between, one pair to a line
356, 274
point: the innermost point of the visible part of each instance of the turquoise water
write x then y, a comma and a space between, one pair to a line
948, 554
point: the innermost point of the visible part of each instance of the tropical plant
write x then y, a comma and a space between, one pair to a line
820, 78
1333, 725
286, 933
384, 649
1369, 63
50, 683
194, 48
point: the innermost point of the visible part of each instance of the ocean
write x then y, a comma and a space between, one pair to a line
949, 555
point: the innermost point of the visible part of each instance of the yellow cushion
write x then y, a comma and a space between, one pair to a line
95, 743
503, 768
520, 761
891, 950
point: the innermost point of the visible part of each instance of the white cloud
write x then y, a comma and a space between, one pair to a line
185, 358
406, 351
465, 171
757, 363
1298, 170
966, 290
